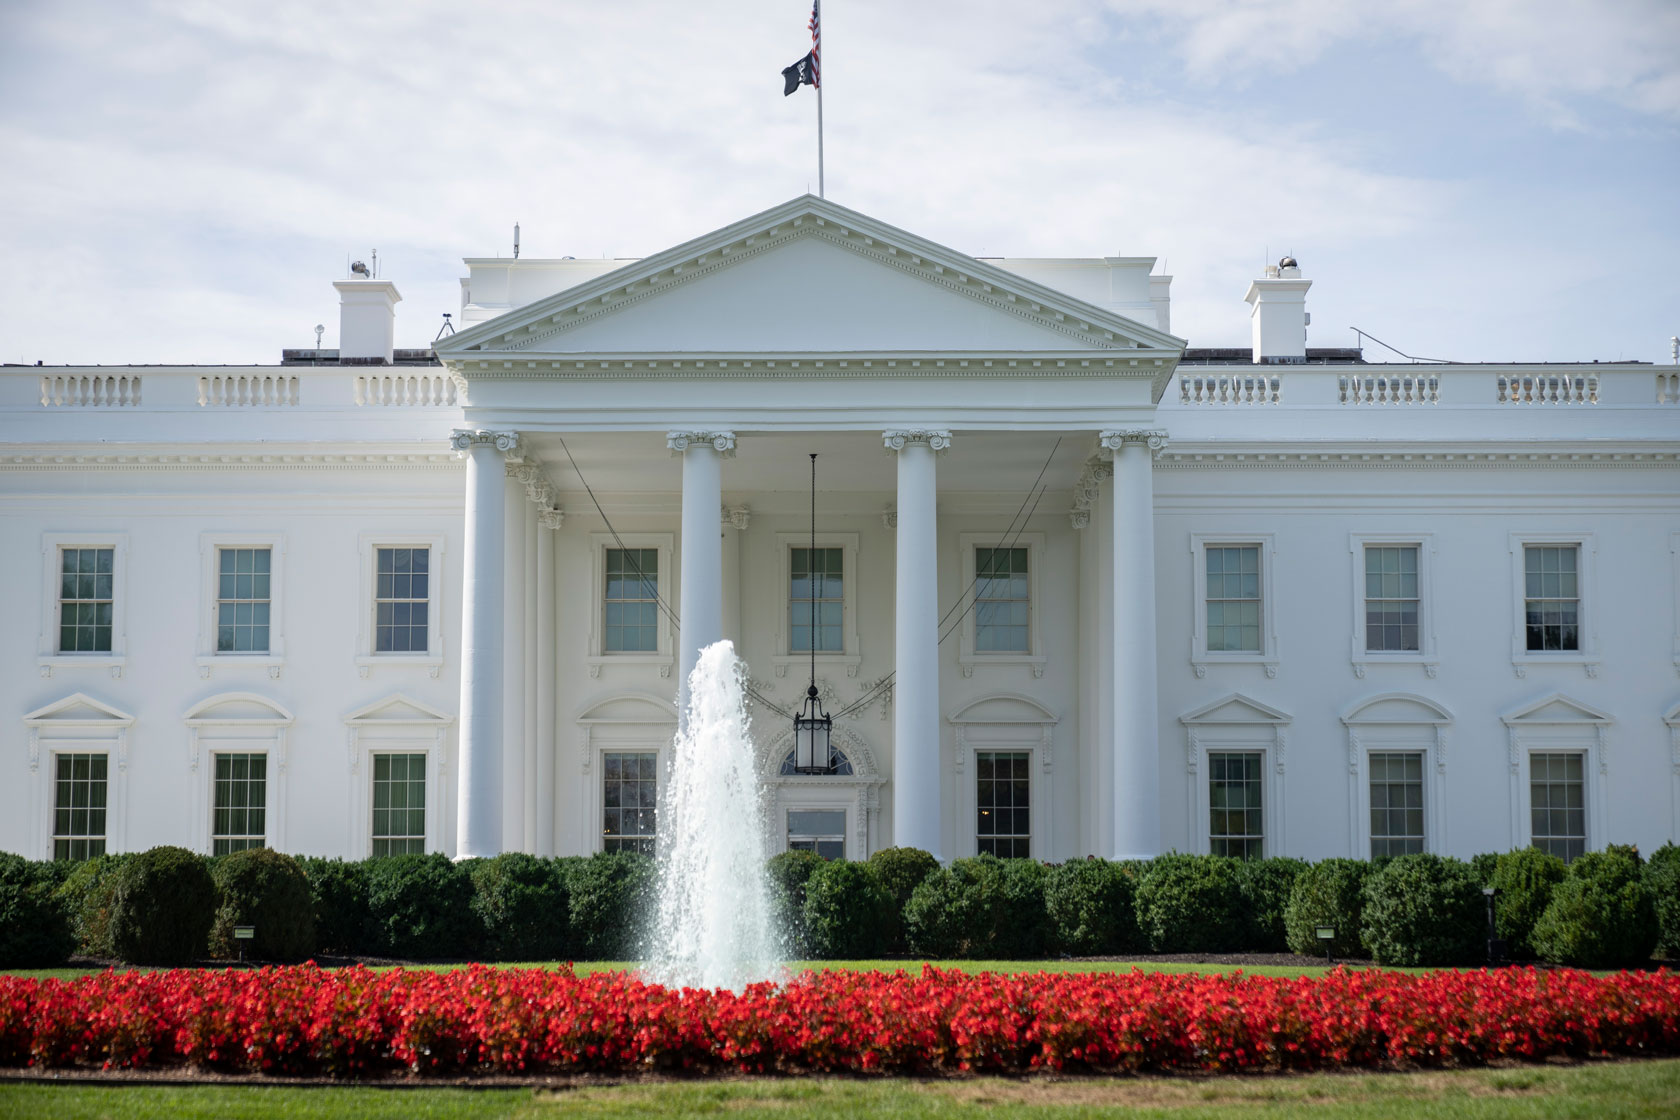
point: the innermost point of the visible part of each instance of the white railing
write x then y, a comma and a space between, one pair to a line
1548, 390
1234, 389
90, 391
1389, 389
247, 390
1668, 388
427, 389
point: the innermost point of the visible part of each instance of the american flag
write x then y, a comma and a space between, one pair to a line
816, 43
805, 72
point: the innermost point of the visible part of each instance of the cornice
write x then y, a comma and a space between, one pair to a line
1415, 459
747, 365
87, 460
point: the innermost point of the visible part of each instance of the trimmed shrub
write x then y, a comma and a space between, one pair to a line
34, 926
421, 906
1483, 865
524, 907
1192, 904
954, 911
1021, 929
161, 908
1090, 907
1328, 893
845, 911
610, 892
1425, 910
900, 871
1524, 878
1266, 887
1601, 915
264, 889
1662, 877
786, 875
338, 900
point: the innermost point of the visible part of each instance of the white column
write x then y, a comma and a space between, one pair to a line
528, 784
549, 521
917, 822
513, 663
700, 609
478, 821
1093, 515
1137, 750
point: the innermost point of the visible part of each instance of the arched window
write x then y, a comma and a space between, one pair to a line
838, 763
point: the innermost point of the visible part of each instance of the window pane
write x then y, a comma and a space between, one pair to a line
1003, 818
399, 803
630, 797
1001, 601
79, 797
1557, 798
1233, 598
401, 606
630, 623
237, 817
1235, 819
1396, 803
1551, 598
816, 600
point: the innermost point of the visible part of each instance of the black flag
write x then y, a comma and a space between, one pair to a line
801, 73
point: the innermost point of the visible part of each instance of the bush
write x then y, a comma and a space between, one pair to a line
1266, 886
1662, 877
786, 875
524, 907
338, 901
1090, 907
1601, 915
1524, 878
262, 888
610, 892
1328, 893
1425, 910
420, 906
1021, 929
1483, 865
845, 911
1192, 904
900, 871
162, 907
34, 926
954, 911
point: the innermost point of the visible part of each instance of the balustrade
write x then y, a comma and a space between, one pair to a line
248, 390
1389, 389
1548, 390
90, 391
421, 390
1241, 389
1668, 388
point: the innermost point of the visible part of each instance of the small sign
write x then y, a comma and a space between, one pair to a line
1326, 933
244, 933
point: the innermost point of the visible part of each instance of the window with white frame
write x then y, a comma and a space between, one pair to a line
631, 607
1236, 813
240, 810
1002, 600
1003, 803
1557, 802
1392, 598
402, 600
79, 805
821, 831
1396, 803
399, 803
630, 801
1235, 616
86, 599
243, 599
816, 600
1552, 597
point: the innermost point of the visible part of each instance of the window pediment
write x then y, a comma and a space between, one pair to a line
397, 708
1396, 707
78, 709
245, 708
1235, 708
1555, 708
630, 707
1003, 708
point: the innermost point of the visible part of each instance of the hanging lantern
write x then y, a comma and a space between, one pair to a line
813, 751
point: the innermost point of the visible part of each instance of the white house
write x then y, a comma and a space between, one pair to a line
1075, 588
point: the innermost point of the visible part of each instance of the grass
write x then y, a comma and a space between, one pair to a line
1620, 1089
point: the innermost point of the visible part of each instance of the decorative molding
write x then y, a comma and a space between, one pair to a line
738, 516
889, 518
464, 440
680, 441
219, 460
1113, 440
897, 439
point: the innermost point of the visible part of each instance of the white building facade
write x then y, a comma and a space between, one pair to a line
1075, 588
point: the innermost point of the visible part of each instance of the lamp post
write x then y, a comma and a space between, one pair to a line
1495, 944
812, 727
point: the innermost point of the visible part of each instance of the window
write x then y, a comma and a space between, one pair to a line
86, 599
822, 831
632, 600
1557, 803
1001, 601
1003, 801
79, 807
399, 804
402, 600
241, 803
1552, 597
1396, 803
631, 801
1236, 824
838, 763
816, 600
1233, 599
1391, 598
242, 599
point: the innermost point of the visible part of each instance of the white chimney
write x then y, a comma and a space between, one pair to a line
1279, 315
367, 318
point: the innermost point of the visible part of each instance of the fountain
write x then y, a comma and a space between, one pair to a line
712, 923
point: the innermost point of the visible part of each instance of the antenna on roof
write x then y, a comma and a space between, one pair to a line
319, 331
515, 245
447, 326
376, 264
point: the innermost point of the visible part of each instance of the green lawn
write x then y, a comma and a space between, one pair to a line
1598, 1090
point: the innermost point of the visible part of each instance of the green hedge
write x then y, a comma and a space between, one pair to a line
162, 906
338, 900
1192, 904
1090, 904
421, 907
268, 891
900, 871
1425, 910
523, 906
787, 874
1601, 915
1525, 879
610, 894
1266, 887
34, 926
1330, 892
846, 911
1662, 878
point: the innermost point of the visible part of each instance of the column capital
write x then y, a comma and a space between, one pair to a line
897, 439
738, 516
722, 442
1112, 440
552, 517
465, 439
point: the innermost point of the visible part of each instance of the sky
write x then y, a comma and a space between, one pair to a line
1476, 180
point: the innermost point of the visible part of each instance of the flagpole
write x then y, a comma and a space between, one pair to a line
816, 11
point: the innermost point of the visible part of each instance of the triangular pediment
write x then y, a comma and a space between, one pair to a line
1235, 708
1555, 708
77, 708
237, 707
397, 708
809, 276
1396, 707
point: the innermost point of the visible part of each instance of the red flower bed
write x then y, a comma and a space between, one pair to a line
304, 1020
